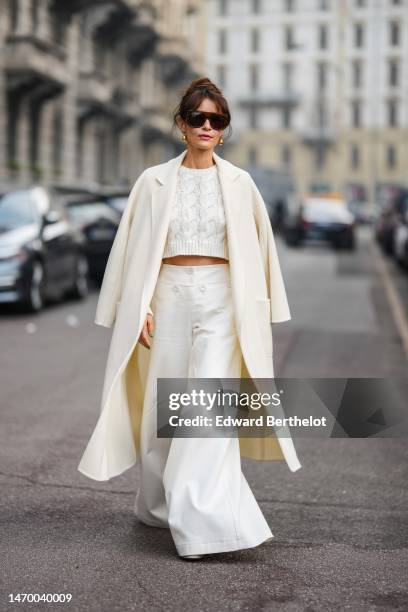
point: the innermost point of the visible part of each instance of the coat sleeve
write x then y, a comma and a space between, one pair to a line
111, 288
276, 289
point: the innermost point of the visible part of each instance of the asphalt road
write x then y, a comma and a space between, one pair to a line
340, 523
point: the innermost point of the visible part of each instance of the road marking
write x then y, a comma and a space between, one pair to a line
391, 292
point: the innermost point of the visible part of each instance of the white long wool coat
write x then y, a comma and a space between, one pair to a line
127, 289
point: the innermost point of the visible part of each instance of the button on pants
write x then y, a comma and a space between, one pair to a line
195, 486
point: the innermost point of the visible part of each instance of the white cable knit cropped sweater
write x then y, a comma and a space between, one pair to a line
197, 222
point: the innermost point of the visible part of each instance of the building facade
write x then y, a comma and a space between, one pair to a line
87, 87
316, 86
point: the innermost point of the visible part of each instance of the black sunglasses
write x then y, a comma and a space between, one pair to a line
197, 119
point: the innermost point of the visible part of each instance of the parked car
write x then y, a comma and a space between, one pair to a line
400, 236
364, 212
388, 220
319, 218
98, 222
41, 254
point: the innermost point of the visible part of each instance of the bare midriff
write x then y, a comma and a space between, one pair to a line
193, 260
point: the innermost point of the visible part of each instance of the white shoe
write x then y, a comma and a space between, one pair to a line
191, 556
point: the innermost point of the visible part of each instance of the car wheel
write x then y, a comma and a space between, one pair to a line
35, 298
81, 285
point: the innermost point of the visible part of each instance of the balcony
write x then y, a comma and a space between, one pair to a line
99, 98
93, 90
274, 100
314, 136
155, 125
32, 65
173, 58
141, 40
71, 7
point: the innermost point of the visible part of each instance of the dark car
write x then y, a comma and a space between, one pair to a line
98, 222
400, 247
321, 218
388, 220
41, 254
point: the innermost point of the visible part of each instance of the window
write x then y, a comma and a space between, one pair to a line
355, 157
221, 75
222, 7
319, 156
395, 33
322, 75
391, 156
322, 37
14, 13
287, 69
393, 73
321, 113
286, 155
57, 142
392, 113
254, 40
356, 113
289, 40
358, 35
253, 77
35, 14
253, 117
286, 118
222, 41
58, 26
324, 5
252, 156
256, 6
357, 76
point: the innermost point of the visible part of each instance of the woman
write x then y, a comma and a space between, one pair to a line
205, 288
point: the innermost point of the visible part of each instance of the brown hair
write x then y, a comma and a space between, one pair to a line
195, 93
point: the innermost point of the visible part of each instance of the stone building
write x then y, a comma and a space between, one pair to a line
87, 87
317, 86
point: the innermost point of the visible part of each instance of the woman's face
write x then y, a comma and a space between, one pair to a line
193, 135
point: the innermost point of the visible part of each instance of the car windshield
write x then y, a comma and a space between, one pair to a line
325, 204
84, 212
118, 202
17, 209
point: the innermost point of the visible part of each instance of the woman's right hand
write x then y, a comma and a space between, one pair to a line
148, 328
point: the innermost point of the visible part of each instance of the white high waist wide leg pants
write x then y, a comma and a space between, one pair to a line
195, 486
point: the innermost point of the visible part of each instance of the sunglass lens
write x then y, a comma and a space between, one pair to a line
218, 122
196, 119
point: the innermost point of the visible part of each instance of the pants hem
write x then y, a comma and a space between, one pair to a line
205, 548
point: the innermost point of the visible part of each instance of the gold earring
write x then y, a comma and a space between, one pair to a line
221, 141
183, 137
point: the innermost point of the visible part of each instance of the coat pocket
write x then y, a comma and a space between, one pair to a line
263, 306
